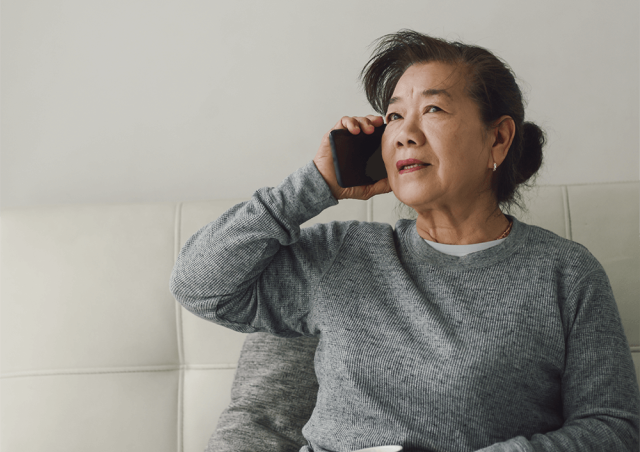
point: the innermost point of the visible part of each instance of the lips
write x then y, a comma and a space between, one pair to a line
410, 165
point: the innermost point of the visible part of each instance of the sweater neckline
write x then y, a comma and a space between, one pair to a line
428, 254
463, 250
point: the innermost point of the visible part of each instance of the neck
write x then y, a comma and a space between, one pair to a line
461, 227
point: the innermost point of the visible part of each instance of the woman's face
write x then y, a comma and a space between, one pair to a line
431, 121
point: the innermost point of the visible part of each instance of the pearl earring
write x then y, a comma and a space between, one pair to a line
494, 166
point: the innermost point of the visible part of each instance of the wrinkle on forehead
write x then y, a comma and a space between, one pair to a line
429, 92
457, 73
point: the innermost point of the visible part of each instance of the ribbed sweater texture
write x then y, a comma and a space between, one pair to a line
518, 347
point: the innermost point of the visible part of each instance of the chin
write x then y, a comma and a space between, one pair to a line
408, 196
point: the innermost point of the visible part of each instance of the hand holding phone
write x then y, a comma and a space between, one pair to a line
353, 125
358, 158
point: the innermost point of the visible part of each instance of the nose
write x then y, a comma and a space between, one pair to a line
409, 133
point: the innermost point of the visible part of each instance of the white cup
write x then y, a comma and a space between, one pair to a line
381, 449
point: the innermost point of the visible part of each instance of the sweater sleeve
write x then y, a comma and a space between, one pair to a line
254, 269
600, 396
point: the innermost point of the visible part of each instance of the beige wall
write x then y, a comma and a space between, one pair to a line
141, 100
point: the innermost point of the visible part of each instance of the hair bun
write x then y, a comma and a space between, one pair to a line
533, 139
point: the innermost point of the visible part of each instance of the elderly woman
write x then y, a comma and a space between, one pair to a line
461, 330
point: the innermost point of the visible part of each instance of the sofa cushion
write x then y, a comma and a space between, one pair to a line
272, 397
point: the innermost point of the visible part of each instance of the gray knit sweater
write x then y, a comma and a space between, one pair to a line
515, 348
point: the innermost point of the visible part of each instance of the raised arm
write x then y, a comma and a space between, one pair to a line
250, 269
253, 269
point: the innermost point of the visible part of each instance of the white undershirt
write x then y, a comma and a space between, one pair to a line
463, 250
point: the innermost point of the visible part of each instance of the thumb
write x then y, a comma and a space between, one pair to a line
365, 192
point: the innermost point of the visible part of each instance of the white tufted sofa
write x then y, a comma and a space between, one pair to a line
97, 356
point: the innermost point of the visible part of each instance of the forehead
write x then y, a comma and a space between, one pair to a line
433, 78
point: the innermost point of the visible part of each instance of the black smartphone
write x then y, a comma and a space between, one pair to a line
358, 158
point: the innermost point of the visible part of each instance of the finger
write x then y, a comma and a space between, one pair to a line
365, 124
383, 186
380, 187
365, 192
356, 123
351, 124
376, 120
369, 123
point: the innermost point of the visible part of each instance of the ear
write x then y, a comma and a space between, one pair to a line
501, 136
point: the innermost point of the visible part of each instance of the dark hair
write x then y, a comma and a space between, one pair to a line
490, 83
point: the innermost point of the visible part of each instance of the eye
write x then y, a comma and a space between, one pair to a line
431, 108
392, 116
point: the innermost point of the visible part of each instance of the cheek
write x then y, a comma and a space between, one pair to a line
387, 151
389, 162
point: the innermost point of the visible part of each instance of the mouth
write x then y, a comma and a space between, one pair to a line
410, 165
